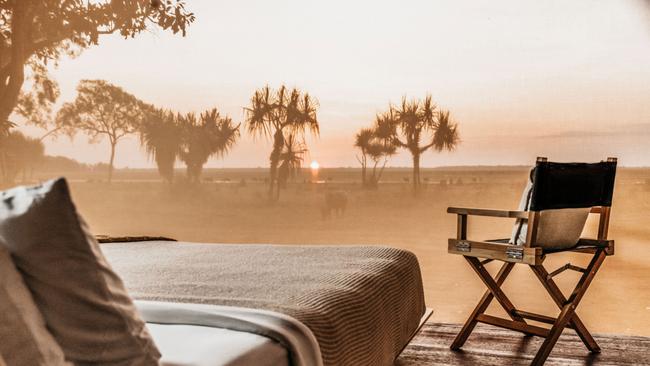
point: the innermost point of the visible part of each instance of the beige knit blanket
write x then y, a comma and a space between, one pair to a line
362, 303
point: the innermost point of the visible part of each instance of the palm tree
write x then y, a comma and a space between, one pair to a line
161, 136
291, 160
419, 121
279, 115
210, 134
362, 141
446, 136
377, 144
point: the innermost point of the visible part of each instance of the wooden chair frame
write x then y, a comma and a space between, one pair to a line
533, 256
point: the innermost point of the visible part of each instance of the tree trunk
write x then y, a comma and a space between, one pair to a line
278, 144
165, 164
381, 171
273, 174
277, 192
364, 164
111, 161
416, 172
13, 75
373, 182
3, 165
193, 172
198, 171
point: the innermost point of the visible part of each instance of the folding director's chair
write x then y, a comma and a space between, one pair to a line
556, 187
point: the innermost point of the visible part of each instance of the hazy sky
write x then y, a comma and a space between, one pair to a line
565, 79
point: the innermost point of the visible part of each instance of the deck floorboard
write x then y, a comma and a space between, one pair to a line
490, 345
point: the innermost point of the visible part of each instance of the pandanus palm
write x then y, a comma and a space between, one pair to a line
210, 134
278, 116
421, 126
376, 144
161, 137
362, 141
446, 135
291, 160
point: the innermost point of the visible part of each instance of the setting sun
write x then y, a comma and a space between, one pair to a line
314, 165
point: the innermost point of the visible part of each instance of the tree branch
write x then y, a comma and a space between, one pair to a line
426, 147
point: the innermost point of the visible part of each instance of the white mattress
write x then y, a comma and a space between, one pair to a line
210, 335
192, 345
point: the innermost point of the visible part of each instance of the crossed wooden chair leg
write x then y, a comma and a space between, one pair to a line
567, 318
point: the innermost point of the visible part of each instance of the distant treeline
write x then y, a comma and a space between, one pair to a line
23, 155
283, 116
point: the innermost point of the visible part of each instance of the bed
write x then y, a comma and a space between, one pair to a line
346, 305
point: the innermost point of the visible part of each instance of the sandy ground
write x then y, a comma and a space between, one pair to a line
223, 211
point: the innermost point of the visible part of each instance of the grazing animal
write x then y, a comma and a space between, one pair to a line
335, 202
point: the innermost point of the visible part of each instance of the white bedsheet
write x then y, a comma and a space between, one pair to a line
208, 335
192, 345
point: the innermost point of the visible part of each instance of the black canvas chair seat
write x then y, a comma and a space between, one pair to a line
580, 187
580, 245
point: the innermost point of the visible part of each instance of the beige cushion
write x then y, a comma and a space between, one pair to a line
84, 303
24, 340
558, 229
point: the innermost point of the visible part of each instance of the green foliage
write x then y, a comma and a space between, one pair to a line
203, 137
36, 105
20, 154
160, 134
167, 137
291, 159
421, 120
101, 110
35, 33
281, 115
418, 125
446, 136
378, 145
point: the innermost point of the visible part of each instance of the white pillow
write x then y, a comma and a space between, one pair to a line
557, 229
84, 303
24, 339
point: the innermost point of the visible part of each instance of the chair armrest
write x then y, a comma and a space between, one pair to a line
488, 212
501, 252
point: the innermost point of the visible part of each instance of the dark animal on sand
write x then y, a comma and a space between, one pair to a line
335, 202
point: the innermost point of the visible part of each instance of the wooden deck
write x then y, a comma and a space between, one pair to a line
495, 346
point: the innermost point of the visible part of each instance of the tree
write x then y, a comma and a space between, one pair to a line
376, 144
35, 33
420, 126
291, 160
20, 154
210, 134
362, 141
161, 136
101, 110
279, 115
36, 105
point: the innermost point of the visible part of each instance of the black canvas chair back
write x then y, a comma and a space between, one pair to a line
561, 193
572, 185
